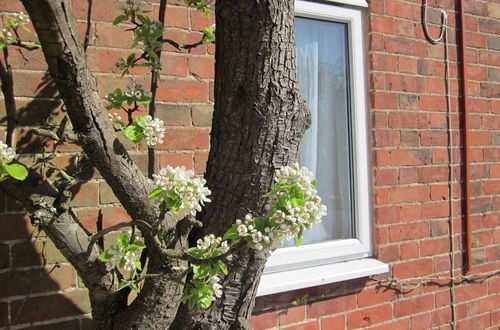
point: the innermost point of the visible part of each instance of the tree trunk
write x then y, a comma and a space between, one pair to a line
258, 123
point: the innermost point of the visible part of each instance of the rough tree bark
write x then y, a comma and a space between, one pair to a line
258, 123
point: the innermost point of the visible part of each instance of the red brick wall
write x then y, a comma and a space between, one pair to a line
410, 173
38, 288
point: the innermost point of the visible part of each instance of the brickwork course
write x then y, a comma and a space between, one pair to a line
409, 171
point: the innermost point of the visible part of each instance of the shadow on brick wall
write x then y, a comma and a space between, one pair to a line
39, 289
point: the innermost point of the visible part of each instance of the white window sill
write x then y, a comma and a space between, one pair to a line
360, 3
318, 275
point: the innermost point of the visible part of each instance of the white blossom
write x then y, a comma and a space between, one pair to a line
186, 185
7, 154
154, 131
242, 230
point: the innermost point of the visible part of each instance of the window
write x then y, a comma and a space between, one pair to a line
330, 58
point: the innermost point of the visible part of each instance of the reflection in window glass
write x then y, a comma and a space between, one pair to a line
323, 73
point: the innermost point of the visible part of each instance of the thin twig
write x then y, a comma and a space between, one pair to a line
118, 226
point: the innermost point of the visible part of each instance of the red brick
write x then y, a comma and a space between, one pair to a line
86, 194
312, 325
407, 64
102, 10
381, 24
404, 28
373, 296
403, 324
202, 67
434, 138
410, 157
408, 231
174, 65
435, 210
413, 268
421, 322
335, 322
177, 17
386, 176
200, 20
42, 308
109, 35
404, 46
410, 194
407, 120
389, 214
478, 322
381, 100
411, 212
291, 315
433, 174
386, 138
264, 321
15, 226
435, 246
397, 82
483, 305
177, 159
414, 305
185, 139
383, 62
432, 102
470, 291
369, 316
440, 316
403, 10
331, 306
409, 251
182, 91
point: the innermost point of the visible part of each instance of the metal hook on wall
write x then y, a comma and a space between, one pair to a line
444, 22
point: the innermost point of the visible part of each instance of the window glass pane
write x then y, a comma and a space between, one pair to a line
323, 73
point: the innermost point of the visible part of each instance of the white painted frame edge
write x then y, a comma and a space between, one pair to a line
319, 275
359, 3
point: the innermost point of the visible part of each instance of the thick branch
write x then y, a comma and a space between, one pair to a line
8, 94
68, 67
41, 200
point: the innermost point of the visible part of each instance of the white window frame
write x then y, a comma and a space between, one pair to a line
337, 260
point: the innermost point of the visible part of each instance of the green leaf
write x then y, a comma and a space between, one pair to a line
222, 266
134, 132
138, 245
300, 235
232, 233
123, 240
123, 284
130, 59
138, 265
119, 19
140, 120
17, 171
133, 286
155, 192
106, 256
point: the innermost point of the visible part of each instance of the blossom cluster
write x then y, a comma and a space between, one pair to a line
126, 254
180, 190
135, 93
294, 207
154, 131
213, 246
7, 154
